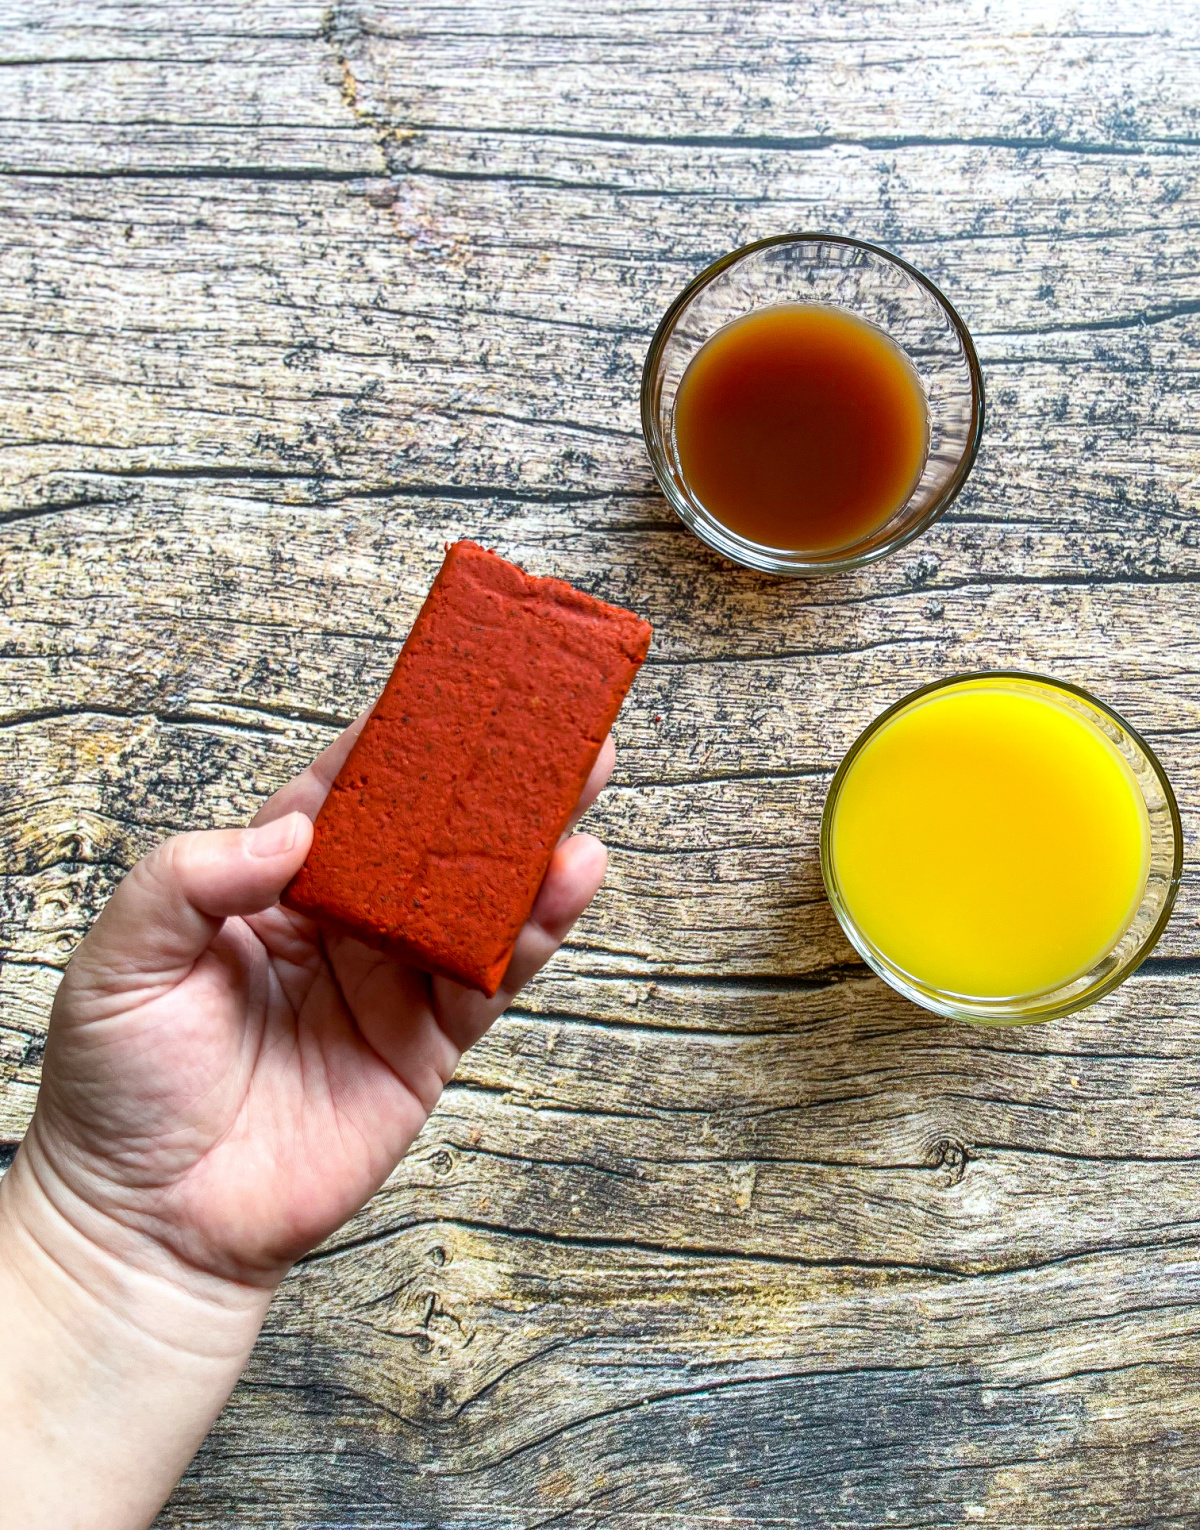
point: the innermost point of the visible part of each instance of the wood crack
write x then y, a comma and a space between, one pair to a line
689, 1252
817, 142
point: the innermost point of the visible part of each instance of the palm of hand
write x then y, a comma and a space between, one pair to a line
243, 1113
241, 1105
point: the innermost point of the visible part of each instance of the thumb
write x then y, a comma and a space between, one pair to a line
169, 908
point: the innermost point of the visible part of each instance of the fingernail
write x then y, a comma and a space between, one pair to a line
274, 838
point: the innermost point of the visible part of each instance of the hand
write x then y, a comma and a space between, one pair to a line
222, 1087
225, 1081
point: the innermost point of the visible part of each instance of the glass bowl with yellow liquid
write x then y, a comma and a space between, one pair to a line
1001, 848
810, 403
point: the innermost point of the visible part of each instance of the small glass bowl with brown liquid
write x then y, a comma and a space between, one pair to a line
811, 403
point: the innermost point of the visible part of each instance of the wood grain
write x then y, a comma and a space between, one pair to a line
712, 1228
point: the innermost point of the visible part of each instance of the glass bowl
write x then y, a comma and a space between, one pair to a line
873, 285
1148, 923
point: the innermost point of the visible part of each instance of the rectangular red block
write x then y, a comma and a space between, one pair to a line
435, 837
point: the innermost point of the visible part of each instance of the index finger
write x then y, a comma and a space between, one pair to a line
306, 792
595, 783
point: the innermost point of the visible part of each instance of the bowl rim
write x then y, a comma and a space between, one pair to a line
756, 555
996, 1012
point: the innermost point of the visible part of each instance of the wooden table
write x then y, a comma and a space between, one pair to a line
713, 1229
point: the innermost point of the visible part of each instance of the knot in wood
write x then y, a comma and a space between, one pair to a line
952, 1156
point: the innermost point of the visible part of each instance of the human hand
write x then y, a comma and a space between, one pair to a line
224, 1086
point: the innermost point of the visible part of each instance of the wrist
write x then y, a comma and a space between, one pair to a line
79, 1262
112, 1364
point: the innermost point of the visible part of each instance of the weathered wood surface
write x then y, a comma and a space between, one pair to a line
713, 1228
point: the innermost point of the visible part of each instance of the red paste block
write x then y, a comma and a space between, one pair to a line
436, 835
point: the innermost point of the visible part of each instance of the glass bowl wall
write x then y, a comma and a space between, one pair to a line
873, 285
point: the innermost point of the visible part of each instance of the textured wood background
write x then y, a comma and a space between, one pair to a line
713, 1229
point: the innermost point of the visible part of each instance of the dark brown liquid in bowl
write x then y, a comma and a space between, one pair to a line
801, 427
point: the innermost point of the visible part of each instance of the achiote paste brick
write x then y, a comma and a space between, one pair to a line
436, 835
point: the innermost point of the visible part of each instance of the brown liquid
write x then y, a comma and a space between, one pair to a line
801, 427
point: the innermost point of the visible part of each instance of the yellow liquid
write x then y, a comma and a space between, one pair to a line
990, 842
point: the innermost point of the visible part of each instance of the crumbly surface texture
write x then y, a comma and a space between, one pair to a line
436, 835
